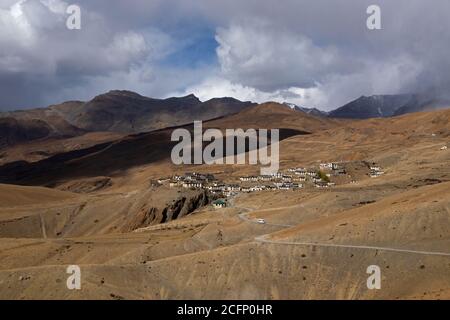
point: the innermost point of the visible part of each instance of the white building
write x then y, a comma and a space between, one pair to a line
233, 187
300, 172
173, 184
250, 178
328, 165
192, 185
218, 204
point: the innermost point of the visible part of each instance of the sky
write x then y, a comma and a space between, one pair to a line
314, 53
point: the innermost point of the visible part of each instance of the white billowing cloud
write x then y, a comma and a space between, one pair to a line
314, 53
39, 54
390, 76
56, 6
257, 54
125, 47
25, 27
35, 39
215, 86
14, 25
260, 63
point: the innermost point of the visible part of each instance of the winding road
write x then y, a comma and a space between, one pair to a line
265, 238
43, 227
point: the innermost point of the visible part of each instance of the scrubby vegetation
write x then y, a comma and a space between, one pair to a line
323, 176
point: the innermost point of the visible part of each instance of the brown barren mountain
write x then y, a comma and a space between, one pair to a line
147, 148
75, 125
315, 244
128, 112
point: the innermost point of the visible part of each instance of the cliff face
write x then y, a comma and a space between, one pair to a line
180, 207
108, 213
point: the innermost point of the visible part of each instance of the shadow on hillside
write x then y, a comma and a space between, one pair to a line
106, 159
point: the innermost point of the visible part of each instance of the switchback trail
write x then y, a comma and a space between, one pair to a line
265, 238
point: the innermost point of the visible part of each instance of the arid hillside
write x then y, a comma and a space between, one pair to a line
111, 158
134, 239
116, 111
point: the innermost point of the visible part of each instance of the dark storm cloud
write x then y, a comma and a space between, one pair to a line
310, 52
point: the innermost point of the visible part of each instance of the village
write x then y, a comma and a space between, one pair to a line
326, 175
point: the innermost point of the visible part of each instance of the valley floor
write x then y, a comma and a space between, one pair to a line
317, 245
296, 244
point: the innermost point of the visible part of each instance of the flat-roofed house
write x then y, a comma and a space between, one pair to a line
220, 203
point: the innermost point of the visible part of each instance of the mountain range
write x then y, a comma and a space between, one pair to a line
382, 106
150, 147
312, 111
116, 111
104, 201
126, 112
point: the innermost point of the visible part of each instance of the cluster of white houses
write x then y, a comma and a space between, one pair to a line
276, 177
192, 180
335, 168
291, 179
375, 171
210, 183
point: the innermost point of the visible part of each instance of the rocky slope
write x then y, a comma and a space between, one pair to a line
15, 131
382, 106
66, 214
179, 208
108, 158
378, 106
128, 112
